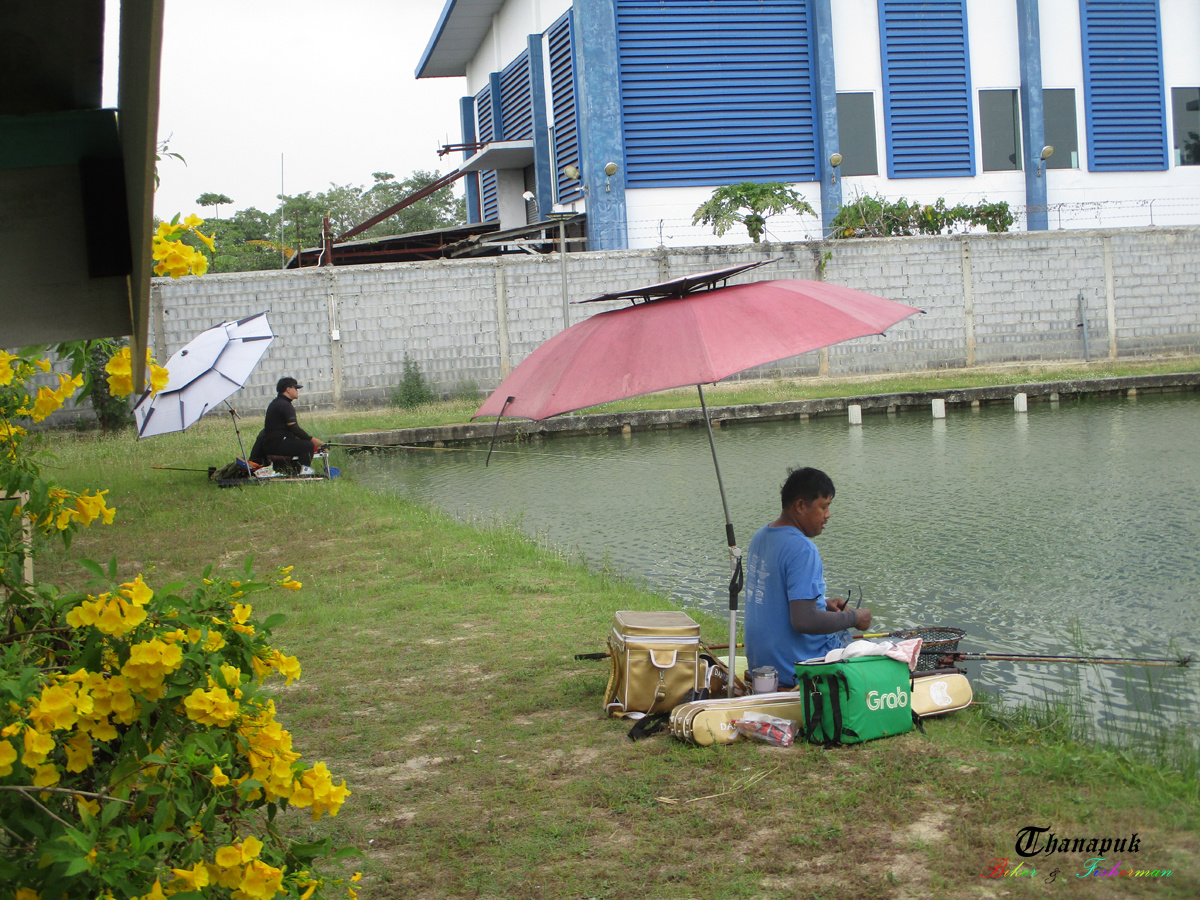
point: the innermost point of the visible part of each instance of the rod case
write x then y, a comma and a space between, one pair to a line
856, 699
656, 665
706, 722
941, 691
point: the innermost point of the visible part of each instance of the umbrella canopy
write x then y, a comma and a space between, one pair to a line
210, 368
697, 339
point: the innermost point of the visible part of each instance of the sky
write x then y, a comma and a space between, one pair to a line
256, 94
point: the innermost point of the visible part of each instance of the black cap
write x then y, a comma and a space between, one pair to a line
284, 383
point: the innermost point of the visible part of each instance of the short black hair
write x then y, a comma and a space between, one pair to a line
805, 484
284, 383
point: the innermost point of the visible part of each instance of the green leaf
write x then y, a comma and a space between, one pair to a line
306, 853
345, 852
273, 621
92, 567
109, 810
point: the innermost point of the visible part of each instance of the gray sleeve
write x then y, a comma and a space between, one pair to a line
807, 619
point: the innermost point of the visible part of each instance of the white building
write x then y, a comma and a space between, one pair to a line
634, 110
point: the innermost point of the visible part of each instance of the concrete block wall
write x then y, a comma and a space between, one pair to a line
988, 299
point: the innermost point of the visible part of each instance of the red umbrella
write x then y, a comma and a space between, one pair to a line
672, 341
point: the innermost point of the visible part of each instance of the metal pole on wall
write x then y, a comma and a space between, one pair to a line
562, 252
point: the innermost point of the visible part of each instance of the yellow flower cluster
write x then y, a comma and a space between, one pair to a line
87, 508
120, 374
211, 707
149, 663
315, 788
48, 400
114, 614
175, 258
238, 868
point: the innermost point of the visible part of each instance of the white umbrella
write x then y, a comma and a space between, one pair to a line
209, 369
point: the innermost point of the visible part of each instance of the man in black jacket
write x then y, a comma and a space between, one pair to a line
282, 434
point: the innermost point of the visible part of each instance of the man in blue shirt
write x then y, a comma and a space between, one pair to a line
788, 618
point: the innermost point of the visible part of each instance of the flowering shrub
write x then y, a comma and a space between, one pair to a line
140, 755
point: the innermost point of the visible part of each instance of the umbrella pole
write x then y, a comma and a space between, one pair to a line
234, 416
735, 554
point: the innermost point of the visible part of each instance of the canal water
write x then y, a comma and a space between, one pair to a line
1073, 528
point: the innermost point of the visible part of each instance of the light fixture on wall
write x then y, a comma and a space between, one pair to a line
610, 169
1047, 152
571, 172
835, 160
529, 196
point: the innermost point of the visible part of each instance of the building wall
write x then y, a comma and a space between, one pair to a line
988, 299
1075, 197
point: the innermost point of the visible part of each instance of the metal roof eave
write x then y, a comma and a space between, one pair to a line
456, 38
499, 155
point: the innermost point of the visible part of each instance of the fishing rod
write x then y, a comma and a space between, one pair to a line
950, 658
608, 655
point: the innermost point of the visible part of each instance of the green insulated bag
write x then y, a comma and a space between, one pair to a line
856, 699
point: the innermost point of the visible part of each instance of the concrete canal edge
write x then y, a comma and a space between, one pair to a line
624, 422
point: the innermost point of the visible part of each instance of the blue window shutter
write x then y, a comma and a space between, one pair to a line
926, 88
1123, 92
562, 98
716, 93
489, 205
516, 110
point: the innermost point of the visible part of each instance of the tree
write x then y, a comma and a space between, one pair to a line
217, 200
249, 240
762, 199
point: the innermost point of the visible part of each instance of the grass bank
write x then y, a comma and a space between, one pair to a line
439, 680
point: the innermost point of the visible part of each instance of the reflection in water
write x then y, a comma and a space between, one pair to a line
1074, 527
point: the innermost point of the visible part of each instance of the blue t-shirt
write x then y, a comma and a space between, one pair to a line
782, 565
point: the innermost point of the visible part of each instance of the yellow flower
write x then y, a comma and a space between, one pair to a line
37, 747
208, 241
189, 879
26, 894
193, 221
214, 642
156, 892
45, 775
93, 506
292, 584
6, 367
46, 402
159, 378
288, 666
259, 882
79, 753
250, 848
218, 778
136, 591
228, 857
8, 755
87, 807
43, 364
